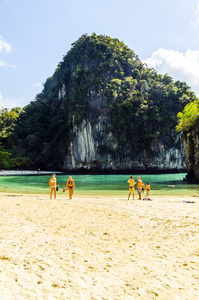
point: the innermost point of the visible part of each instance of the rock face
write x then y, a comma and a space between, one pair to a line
191, 146
94, 148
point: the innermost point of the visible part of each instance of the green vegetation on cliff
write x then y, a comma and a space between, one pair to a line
188, 124
141, 105
7, 123
188, 117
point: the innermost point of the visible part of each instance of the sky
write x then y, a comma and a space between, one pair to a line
36, 34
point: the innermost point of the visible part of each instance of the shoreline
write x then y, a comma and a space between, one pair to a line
27, 172
117, 196
95, 247
88, 172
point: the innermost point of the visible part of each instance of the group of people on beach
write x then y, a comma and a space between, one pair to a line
140, 188
70, 186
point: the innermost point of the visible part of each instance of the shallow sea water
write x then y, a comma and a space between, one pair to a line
101, 185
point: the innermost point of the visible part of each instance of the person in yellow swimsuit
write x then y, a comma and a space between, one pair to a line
53, 186
148, 188
70, 185
131, 187
139, 187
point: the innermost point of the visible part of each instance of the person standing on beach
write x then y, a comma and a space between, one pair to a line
53, 186
139, 187
70, 185
131, 187
147, 189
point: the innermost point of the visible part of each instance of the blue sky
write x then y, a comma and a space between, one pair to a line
36, 34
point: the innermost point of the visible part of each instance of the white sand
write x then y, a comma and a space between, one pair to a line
98, 248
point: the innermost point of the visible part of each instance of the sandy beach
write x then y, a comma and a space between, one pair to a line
98, 248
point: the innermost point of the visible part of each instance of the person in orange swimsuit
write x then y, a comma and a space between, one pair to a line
53, 186
131, 187
70, 185
139, 187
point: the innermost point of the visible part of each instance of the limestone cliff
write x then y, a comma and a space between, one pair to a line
103, 110
95, 148
191, 146
85, 153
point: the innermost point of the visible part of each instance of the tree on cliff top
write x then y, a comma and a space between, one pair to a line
187, 118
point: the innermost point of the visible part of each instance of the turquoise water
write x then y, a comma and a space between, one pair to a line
98, 184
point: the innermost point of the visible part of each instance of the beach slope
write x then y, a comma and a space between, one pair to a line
98, 248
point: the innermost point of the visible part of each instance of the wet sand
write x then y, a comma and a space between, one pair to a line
98, 248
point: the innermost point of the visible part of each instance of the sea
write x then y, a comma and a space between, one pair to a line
99, 185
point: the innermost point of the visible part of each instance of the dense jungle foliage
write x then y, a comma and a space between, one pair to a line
142, 105
188, 117
188, 124
7, 124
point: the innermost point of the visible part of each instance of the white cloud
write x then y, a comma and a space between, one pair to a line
10, 102
196, 21
37, 85
2, 101
180, 66
4, 45
2, 63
